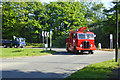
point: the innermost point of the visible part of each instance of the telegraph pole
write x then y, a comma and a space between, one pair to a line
116, 47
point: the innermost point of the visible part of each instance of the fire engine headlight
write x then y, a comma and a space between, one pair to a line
91, 45
81, 45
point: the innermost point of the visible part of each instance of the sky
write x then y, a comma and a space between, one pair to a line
107, 3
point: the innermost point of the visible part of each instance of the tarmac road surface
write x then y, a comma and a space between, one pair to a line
51, 66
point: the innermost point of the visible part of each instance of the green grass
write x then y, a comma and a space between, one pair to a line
18, 52
94, 71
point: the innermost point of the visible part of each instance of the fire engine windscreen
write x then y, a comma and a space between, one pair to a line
85, 36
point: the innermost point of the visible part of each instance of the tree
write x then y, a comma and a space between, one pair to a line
95, 14
109, 24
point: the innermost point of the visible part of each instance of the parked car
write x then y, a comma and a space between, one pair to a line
9, 43
18, 42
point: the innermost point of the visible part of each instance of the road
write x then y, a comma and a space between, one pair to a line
51, 66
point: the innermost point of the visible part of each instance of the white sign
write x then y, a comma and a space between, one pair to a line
50, 31
43, 33
111, 36
47, 34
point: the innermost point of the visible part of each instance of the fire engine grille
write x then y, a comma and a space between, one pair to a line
86, 44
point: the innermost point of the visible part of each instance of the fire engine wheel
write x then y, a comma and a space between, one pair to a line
5, 46
67, 49
82, 51
91, 52
75, 50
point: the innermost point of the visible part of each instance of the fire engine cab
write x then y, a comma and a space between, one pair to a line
80, 41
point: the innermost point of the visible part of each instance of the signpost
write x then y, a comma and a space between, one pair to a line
45, 34
50, 39
43, 38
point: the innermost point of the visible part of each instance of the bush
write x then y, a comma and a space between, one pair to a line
60, 42
40, 45
101, 37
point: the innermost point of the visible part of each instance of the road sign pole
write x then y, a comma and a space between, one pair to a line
50, 39
46, 40
46, 35
43, 42
50, 42
43, 34
116, 47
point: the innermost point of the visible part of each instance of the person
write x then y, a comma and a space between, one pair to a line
11, 43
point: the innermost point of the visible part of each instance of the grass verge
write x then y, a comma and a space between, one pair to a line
19, 52
105, 49
94, 71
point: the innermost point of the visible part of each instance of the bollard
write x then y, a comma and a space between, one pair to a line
99, 46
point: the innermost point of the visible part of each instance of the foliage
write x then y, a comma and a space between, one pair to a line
94, 71
18, 20
20, 52
95, 14
39, 45
109, 24
60, 42
101, 37
29, 19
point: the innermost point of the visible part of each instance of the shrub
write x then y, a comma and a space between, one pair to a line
60, 42
34, 44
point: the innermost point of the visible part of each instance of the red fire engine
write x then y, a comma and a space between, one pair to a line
80, 41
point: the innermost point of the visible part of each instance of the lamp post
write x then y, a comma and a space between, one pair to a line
116, 46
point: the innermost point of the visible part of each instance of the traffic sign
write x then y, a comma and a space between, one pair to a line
47, 34
50, 31
43, 33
